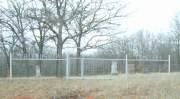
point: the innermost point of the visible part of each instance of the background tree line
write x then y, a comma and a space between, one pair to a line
40, 28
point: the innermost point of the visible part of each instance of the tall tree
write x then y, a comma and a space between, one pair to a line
176, 34
91, 22
60, 14
7, 43
14, 18
38, 28
55, 22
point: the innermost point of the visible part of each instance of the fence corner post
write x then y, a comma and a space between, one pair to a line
67, 66
126, 67
169, 63
10, 65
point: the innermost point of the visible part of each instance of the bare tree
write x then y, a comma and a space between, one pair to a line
38, 28
7, 43
89, 27
14, 20
176, 34
91, 22
61, 13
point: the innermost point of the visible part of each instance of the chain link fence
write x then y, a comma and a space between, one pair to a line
82, 68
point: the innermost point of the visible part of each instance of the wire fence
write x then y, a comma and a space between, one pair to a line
143, 77
83, 68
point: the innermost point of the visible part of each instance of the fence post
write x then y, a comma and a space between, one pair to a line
10, 67
67, 66
82, 68
169, 63
126, 64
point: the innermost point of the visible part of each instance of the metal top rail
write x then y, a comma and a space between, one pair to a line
153, 60
99, 59
36, 59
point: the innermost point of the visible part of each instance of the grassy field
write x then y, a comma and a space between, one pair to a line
138, 86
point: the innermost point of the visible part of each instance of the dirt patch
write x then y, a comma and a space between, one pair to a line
23, 97
77, 94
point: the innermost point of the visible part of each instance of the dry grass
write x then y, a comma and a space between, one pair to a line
139, 86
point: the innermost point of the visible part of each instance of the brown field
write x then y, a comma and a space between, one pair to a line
138, 86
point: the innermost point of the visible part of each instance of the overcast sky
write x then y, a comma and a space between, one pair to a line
151, 15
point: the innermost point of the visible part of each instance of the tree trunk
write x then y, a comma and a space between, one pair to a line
59, 67
25, 62
178, 52
59, 71
78, 61
40, 57
8, 66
